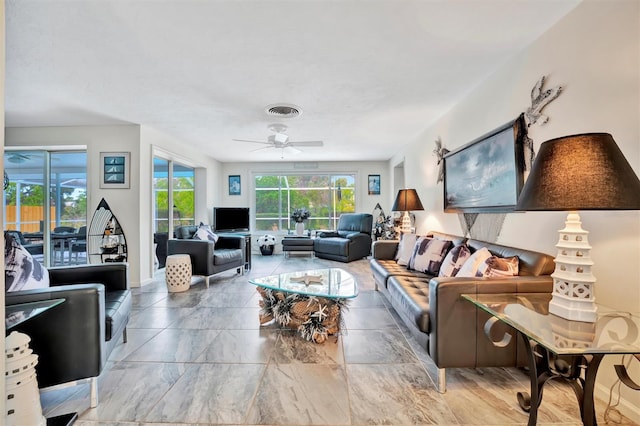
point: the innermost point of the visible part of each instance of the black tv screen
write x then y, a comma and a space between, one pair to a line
230, 219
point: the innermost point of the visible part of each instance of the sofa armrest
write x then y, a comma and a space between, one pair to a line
384, 249
200, 252
114, 276
69, 339
451, 315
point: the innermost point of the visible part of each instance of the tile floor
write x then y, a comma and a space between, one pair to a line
200, 357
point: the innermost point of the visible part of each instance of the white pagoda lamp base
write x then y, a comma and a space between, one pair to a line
22, 398
573, 283
406, 223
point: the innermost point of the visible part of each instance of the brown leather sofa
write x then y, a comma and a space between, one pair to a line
450, 328
74, 339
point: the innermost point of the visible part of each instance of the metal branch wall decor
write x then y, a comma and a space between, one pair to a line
539, 99
440, 152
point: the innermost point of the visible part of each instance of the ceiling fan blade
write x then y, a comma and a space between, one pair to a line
261, 148
246, 140
292, 150
305, 143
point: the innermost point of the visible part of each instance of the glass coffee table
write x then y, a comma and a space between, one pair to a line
308, 301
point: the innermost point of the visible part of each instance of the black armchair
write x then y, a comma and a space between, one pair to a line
33, 248
74, 339
207, 258
351, 241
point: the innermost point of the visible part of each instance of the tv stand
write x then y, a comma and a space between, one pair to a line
247, 246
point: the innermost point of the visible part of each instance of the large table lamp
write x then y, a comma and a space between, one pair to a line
571, 173
406, 201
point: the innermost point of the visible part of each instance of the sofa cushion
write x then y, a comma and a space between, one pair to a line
428, 255
21, 270
473, 263
205, 233
117, 306
497, 267
405, 248
383, 269
332, 245
454, 260
224, 256
412, 294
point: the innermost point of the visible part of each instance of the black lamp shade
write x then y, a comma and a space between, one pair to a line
581, 172
407, 200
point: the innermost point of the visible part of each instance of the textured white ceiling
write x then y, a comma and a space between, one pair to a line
368, 75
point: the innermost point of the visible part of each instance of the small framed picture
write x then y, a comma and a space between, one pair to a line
234, 184
374, 184
114, 169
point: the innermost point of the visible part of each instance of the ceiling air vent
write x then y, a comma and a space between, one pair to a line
283, 110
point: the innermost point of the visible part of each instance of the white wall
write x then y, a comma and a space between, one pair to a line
594, 53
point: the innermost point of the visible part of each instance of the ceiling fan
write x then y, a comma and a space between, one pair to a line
17, 158
280, 140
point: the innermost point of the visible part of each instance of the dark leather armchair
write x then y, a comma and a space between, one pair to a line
207, 258
351, 241
33, 248
74, 339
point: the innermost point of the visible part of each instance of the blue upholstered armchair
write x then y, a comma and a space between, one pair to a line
351, 241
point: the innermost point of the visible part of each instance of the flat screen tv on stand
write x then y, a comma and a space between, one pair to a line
231, 219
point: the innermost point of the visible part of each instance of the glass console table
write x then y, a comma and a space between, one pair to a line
558, 348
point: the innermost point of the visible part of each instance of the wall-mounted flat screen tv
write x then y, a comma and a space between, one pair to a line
487, 174
230, 219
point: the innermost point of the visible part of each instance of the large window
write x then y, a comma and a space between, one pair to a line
325, 196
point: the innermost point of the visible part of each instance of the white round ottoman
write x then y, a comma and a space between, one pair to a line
178, 272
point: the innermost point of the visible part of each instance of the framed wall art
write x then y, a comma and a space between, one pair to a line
234, 184
487, 174
114, 169
374, 184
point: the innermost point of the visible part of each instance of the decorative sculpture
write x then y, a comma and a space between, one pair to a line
539, 100
440, 152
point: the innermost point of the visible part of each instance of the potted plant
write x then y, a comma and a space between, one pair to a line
299, 216
267, 243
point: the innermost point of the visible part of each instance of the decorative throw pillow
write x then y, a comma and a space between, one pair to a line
499, 267
21, 270
405, 248
454, 260
472, 264
205, 233
428, 254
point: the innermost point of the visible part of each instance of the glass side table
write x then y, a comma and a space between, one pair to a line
17, 314
558, 348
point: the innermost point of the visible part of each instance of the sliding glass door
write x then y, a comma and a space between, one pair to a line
173, 201
26, 199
